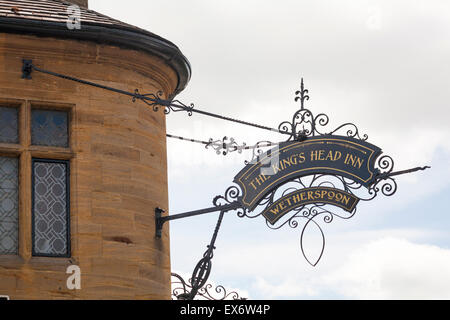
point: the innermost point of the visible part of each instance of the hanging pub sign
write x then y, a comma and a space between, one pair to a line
306, 177
312, 176
334, 155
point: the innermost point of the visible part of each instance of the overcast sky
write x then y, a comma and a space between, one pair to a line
383, 65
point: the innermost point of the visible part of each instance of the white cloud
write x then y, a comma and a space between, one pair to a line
288, 287
382, 264
392, 268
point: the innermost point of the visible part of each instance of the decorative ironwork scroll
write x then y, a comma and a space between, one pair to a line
181, 289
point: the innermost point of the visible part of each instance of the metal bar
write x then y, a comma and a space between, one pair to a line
159, 219
213, 115
226, 207
28, 67
396, 173
187, 139
225, 145
203, 268
93, 84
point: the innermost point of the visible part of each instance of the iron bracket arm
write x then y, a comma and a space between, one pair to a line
160, 219
396, 173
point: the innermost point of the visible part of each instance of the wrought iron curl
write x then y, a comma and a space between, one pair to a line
225, 145
231, 195
385, 163
388, 187
384, 183
156, 97
177, 106
304, 124
181, 288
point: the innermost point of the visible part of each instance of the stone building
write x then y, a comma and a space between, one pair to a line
81, 168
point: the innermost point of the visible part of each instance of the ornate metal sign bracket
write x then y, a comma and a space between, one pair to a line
305, 177
315, 175
160, 219
197, 283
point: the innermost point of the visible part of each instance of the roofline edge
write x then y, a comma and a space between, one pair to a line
121, 37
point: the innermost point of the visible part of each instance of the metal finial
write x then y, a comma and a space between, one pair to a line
302, 95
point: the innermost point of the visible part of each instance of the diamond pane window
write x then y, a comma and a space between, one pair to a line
51, 237
9, 132
49, 128
9, 206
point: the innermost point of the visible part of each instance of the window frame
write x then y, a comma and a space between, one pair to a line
49, 108
17, 157
25, 152
33, 227
17, 107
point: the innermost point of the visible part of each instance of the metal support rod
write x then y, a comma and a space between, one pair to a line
396, 173
28, 67
159, 219
203, 268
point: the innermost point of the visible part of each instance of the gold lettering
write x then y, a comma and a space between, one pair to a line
346, 158
259, 180
282, 206
314, 155
288, 201
310, 195
293, 159
329, 155
301, 157
337, 155
351, 159
287, 163
345, 199
321, 154
302, 196
275, 210
276, 168
359, 162
317, 194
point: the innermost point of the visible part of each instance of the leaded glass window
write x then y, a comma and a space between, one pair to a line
9, 206
9, 132
49, 128
51, 208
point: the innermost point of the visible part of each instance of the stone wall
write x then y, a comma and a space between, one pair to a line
118, 169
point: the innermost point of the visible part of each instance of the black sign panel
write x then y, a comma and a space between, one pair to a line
337, 155
306, 196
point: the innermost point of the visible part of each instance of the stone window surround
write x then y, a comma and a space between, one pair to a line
25, 152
